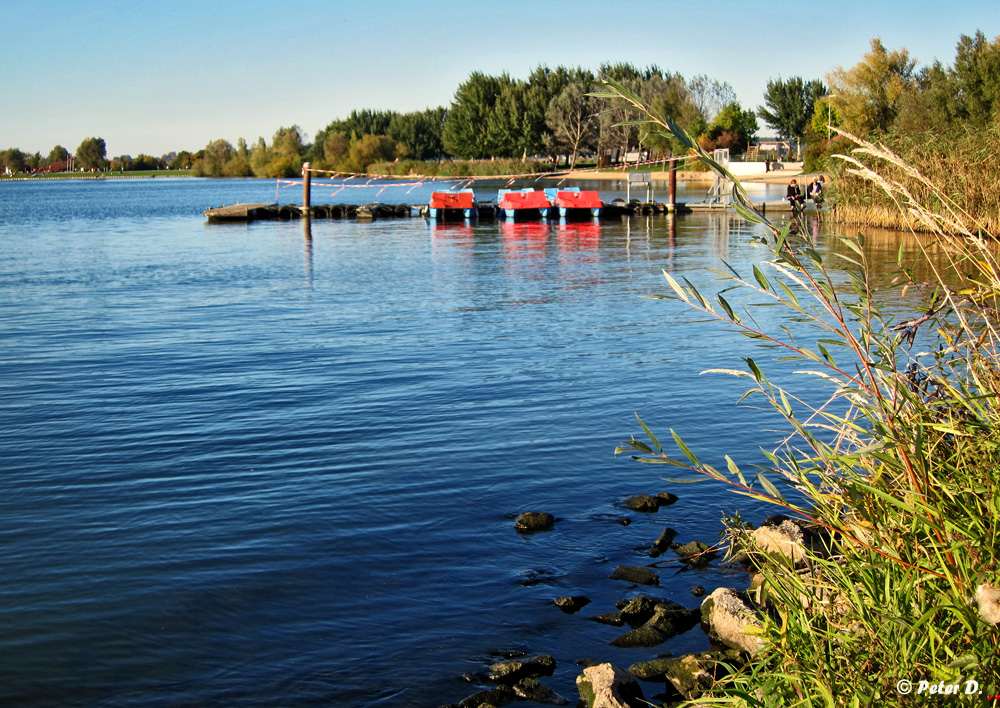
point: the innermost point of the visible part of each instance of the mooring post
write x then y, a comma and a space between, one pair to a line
672, 187
306, 176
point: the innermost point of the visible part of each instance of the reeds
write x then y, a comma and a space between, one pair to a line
935, 171
899, 467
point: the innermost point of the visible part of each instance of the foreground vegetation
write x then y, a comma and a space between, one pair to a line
898, 470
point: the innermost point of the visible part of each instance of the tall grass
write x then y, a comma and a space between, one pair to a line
899, 467
934, 171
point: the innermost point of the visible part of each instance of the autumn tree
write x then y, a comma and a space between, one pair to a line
871, 93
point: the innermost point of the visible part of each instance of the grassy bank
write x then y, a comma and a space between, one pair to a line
898, 471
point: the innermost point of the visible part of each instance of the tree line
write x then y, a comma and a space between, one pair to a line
551, 116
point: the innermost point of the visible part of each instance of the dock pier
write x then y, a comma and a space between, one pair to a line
488, 211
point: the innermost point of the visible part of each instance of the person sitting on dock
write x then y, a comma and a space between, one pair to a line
794, 196
816, 192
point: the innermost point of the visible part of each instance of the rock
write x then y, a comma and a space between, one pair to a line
572, 604
637, 610
667, 621
512, 671
641, 608
691, 675
612, 618
530, 690
643, 503
698, 590
608, 686
729, 617
625, 521
988, 602
490, 697
665, 539
786, 540
665, 498
695, 553
633, 574
534, 521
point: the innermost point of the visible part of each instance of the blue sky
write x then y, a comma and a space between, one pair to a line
155, 77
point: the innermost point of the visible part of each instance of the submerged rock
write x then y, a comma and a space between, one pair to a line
608, 686
666, 621
515, 670
612, 618
643, 503
665, 498
534, 521
491, 697
572, 604
530, 690
691, 675
665, 539
695, 553
634, 574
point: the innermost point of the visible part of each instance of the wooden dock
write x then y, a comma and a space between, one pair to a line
245, 213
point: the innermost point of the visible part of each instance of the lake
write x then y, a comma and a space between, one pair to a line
271, 464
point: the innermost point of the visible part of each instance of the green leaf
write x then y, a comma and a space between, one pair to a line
769, 487
728, 308
754, 369
684, 448
651, 436
761, 279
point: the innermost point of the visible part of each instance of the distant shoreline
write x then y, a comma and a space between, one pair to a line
775, 177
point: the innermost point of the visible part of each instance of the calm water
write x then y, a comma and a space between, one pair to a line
259, 465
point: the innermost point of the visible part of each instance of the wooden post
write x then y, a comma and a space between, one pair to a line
306, 176
672, 182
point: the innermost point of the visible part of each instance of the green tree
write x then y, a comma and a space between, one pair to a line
57, 154
790, 105
12, 160
181, 161
671, 96
872, 91
213, 162
508, 129
977, 66
369, 150
91, 155
466, 128
420, 132
733, 128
